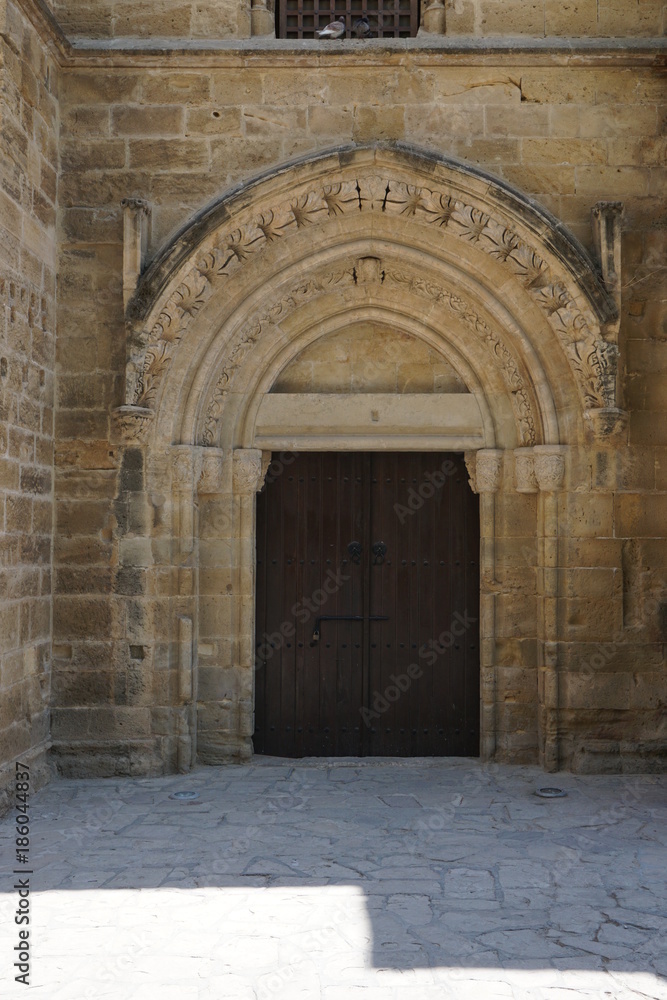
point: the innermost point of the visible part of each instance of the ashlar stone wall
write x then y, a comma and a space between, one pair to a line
28, 197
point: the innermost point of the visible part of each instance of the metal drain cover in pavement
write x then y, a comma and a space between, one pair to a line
551, 793
188, 796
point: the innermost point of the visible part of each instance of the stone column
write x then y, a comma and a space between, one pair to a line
485, 471
184, 460
262, 19
550, 474
136, 225
227, 595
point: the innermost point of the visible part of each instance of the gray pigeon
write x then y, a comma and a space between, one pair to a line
334, 30
362, 28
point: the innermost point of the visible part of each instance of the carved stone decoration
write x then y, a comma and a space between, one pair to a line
470, 459
130, 425
183, 463
605, 362
440, 208
248, 470
524, 471
549, 467
502, 356
488, 470
368, 270
607, 423
212, 470
251, 333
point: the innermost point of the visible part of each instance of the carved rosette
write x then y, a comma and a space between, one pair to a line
248, 470
130, 425
550, 467
485, 469
212, 471
183, 465
524, 471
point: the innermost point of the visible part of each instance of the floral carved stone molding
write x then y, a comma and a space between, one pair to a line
446, 212
368, 270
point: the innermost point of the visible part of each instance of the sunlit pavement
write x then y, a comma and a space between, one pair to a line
343, 879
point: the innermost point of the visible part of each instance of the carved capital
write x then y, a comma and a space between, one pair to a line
549, 467
607, 423
130, 425
524, 471
488, 470
183, 465
248, 470
212, 470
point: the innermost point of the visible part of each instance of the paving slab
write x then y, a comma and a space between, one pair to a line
330, 879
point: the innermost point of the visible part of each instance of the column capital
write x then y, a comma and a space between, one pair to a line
248, 470
183, 465
212, 470
524, 471
549, 467
484, 469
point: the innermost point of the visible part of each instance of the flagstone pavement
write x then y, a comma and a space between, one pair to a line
343, 880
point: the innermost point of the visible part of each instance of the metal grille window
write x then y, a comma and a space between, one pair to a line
387, 18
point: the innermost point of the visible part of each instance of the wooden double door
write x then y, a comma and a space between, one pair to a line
367, 607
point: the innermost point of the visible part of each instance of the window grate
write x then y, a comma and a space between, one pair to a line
388, 18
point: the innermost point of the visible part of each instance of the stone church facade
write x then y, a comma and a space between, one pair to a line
220, 249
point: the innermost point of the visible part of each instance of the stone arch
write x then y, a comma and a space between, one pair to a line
422, 244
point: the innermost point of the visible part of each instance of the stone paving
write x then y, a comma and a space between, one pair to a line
374, 879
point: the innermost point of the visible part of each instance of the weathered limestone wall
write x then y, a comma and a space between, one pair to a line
206, 19
157, 19
180, 133
28, 172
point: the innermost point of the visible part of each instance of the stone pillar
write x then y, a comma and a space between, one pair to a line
184, 463
136, 225
485, 471
433, 21
227, 594
262, 19
549, 474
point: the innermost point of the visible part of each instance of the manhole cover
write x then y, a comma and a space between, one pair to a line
184, 795
551, 793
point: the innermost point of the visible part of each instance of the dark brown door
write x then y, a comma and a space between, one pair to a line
367, 607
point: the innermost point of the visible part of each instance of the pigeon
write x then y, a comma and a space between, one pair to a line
334, 30
362, 28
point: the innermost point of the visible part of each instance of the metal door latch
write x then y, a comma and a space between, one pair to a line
345, 618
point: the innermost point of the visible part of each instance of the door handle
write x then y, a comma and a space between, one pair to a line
354, 548
345, 618
379, 550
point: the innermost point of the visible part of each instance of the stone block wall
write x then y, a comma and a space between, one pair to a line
217, 19
28, 198
178, 135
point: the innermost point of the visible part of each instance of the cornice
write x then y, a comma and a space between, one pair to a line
429, 50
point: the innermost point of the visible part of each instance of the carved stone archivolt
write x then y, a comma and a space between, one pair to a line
445, 211
369, 271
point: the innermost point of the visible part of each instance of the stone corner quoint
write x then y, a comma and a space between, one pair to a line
332, 385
